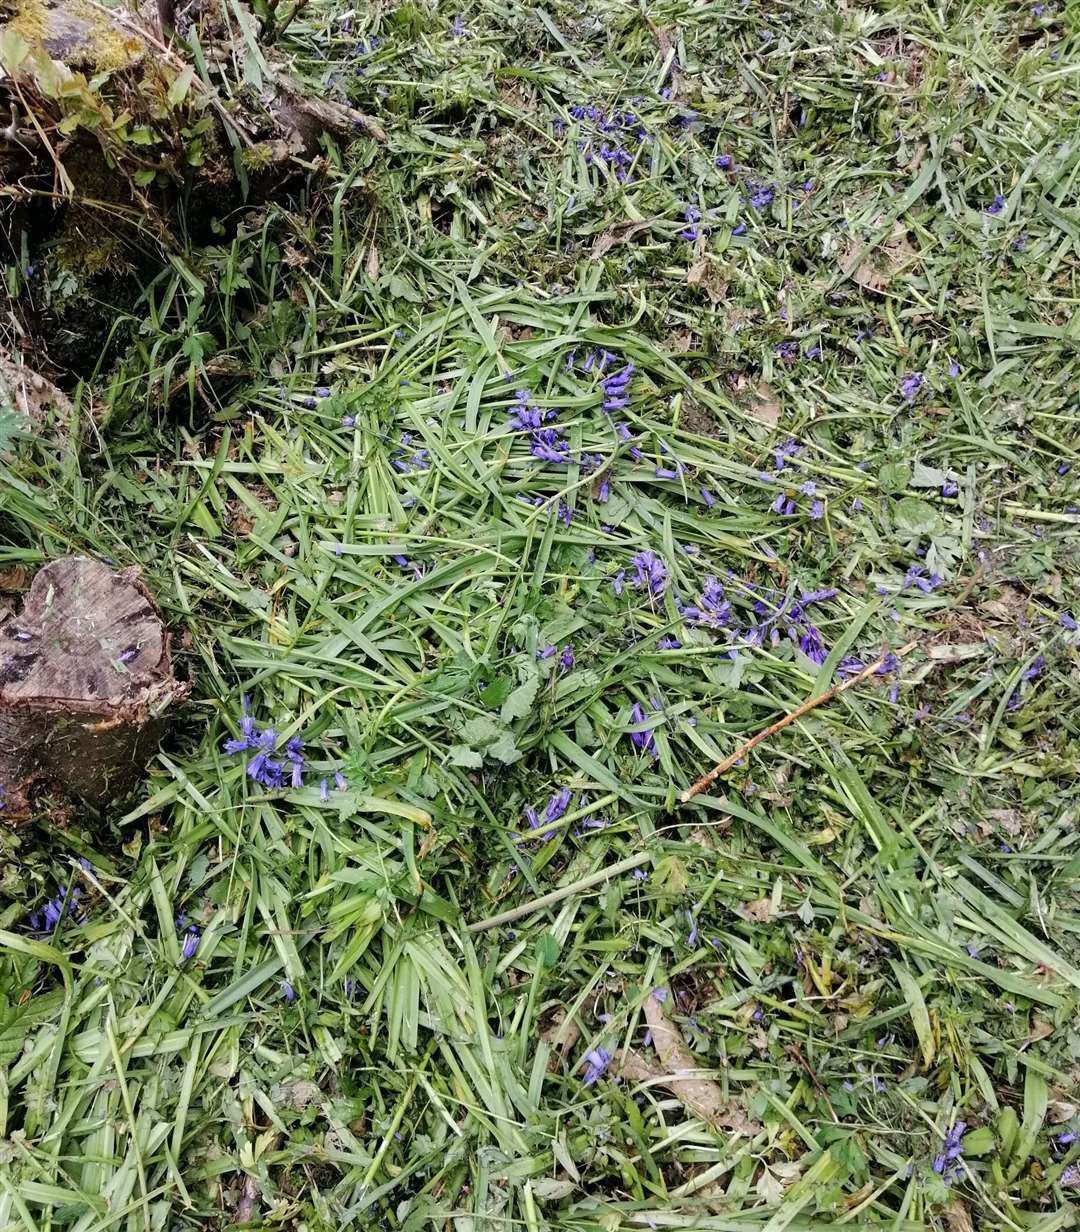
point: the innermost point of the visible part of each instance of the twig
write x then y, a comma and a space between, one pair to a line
797, 713
556, 896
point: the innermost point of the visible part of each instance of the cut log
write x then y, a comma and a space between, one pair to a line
85, 680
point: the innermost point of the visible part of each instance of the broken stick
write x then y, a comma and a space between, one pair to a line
811, 704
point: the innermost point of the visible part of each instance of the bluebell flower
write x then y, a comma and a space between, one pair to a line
324, 790
761, 195
566, 659
739, 230
643, 740
547, 652
1068, 621
341, 783
287, 991
817, 510
724, 162
322, 392
669, 643
997, 205
948, 1163
1034, 669
918, 577
910, 386
708, 498
617, 581
650, 572
812, 646
192, 936
596, 1062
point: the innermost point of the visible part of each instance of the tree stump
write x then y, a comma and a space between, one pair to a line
85, 680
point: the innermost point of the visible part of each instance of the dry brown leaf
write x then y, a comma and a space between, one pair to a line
760, 910
1060, 1110
701, 1096
704, 274
562, 1033
14, 579
618, 234
632, 1066
879, 267
764, 405
957, 1217
29, 392
373, 263
1040, 1029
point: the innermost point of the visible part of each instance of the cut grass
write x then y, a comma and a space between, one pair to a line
869, 931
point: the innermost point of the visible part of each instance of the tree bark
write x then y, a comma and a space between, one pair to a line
85, 680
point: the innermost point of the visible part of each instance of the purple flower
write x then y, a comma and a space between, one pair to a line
910, 386
952, 1154
761, 195
724, 162
692, 937
457, 30
191, 943
1068, 621
1034, 669
643, 740
547, 652
324, 790
918, 577
287, 991
708, 498
650, 572
322, 392
784, 451
669, 643
817, 510
566, 658
812, 646
340, 781
596, 1062
739, 230
997, 205
659, 994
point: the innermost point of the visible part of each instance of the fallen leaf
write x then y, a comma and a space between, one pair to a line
562, 1033
373, 263
880, 266
769, 1187
632, 1066
701, 1096
764, 405
1059, 1111
1040, 1029
704, 274
618, 234
760, 910
957, 1217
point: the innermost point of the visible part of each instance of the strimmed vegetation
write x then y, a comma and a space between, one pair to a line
663, 369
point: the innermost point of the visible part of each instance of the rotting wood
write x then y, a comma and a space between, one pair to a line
85, 681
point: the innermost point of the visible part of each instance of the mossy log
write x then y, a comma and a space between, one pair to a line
85, 682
